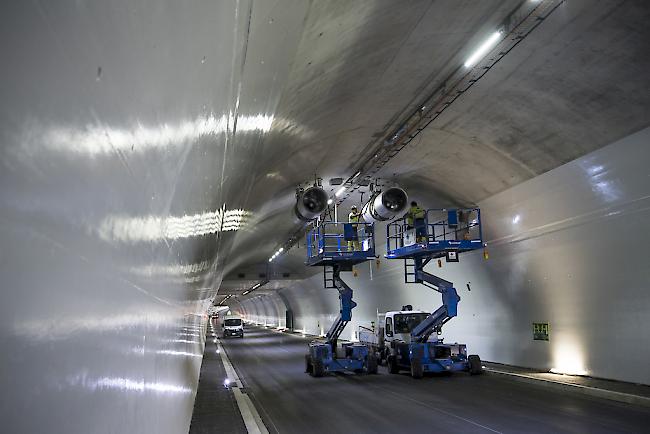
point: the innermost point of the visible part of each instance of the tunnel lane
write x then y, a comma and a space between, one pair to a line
271, 366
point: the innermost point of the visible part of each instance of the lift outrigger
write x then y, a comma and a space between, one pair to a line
442, 233
338, 247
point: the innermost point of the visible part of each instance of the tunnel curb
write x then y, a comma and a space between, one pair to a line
626, 398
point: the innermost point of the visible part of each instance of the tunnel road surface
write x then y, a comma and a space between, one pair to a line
271, 366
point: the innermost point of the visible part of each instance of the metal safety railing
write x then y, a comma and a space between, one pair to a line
442, 224
336, 238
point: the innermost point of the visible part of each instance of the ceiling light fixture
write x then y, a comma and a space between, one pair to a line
256, 286
226, 298
483, 49
340, 191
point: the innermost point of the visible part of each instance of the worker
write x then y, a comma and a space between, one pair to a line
415, 219
354, 217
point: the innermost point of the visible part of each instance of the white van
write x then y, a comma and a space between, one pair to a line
233, 326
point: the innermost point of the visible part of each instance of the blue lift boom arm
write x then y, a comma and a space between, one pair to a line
448, 310
345, 314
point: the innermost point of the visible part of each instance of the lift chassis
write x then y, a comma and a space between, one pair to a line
423, 354
323, 355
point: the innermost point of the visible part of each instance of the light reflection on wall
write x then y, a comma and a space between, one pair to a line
98, 140
568, 356
178, 353
183, 341
195, 335
597, 175
62, 328
152, 228
170, 270
126, 385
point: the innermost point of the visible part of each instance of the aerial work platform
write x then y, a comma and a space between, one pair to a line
337, 247
441, 231
337, 242
417, 239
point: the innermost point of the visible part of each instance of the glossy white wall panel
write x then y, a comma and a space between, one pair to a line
108, 113
576, 257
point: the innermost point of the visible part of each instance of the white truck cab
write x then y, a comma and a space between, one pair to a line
392, 326
233, 326
397, 325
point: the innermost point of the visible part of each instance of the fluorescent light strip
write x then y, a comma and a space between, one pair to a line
483, 49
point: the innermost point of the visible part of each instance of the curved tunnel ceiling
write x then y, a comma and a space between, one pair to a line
561, 93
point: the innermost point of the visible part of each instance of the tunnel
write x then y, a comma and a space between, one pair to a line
308, 216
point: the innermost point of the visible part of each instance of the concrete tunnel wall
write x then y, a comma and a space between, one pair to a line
567, 248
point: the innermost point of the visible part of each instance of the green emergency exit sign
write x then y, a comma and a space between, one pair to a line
540, 331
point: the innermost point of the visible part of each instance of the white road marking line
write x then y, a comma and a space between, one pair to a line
252, 419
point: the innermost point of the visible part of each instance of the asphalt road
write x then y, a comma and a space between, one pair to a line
271, 366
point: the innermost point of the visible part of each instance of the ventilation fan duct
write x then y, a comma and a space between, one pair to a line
310, 203
385, 205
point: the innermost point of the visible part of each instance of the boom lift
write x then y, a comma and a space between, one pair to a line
448, 233
327, 247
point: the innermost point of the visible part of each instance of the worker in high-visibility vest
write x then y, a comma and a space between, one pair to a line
354, 217
415, 219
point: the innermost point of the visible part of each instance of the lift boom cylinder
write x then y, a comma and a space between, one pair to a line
448, 310
347, 304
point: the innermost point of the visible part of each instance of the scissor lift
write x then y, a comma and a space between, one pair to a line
338, 247
442, 233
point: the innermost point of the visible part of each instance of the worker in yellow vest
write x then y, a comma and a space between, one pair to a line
354, 217
415, 219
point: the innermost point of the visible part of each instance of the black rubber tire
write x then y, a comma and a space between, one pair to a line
318, 370
475, 365
384, 357
308, 364
393, 367
417, 371
371, 364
